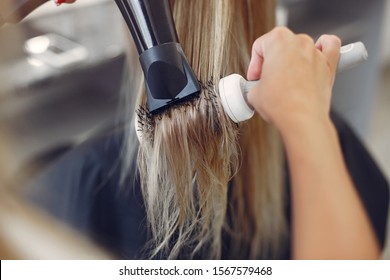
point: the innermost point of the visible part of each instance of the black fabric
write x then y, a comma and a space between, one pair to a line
82, 189
367, 177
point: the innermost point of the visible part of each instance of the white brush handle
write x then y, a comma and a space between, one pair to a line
351, 55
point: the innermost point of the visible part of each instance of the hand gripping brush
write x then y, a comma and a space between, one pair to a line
233, 89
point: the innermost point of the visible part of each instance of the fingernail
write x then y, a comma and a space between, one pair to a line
59, 2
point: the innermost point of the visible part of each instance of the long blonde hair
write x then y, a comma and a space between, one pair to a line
202, 175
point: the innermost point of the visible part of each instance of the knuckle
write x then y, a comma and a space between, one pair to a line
335, 39
331, 38
281, 32
306, 40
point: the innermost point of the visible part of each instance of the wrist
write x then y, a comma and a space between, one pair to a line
305, 124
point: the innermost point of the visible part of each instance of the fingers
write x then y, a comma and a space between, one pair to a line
296, 74
330, 46
257, 59
262, 45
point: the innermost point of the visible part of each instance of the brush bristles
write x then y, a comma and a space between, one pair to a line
146, 121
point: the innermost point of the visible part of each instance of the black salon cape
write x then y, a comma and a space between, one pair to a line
82, 189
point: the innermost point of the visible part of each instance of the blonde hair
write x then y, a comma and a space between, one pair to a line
202, 175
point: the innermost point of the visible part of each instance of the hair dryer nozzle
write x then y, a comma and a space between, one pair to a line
168, 76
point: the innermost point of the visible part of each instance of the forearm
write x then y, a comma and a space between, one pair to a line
328, 218
297, 75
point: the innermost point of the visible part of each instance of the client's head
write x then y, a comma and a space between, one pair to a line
204, 178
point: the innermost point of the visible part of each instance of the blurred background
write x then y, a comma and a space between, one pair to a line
61, 70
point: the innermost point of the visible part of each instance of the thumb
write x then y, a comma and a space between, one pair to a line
330, 46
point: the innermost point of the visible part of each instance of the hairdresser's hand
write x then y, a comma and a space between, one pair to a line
297, 77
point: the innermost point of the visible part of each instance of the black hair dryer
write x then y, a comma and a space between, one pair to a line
168, 76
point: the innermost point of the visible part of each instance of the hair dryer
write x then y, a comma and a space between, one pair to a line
168, 76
